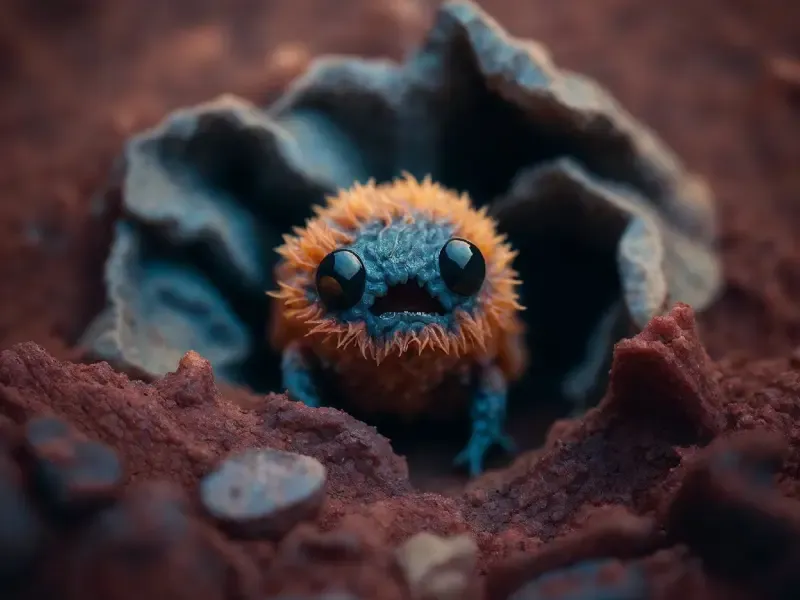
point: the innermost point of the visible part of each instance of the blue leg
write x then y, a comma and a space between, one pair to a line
488, 416
297, 377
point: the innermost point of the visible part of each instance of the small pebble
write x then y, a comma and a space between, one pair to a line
72, 473
590, 580
732, 516
263, 493
732, 463
21, 532
439, 568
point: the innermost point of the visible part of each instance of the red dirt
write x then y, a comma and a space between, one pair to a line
638, 494
630, 482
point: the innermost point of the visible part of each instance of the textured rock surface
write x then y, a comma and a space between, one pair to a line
207, 193
71, 473
264, 492
439, 568
634, 499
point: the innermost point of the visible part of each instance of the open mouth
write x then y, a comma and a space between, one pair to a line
407, 298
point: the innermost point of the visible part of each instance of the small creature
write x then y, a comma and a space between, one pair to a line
403, 296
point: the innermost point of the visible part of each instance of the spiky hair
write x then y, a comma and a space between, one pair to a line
337, 223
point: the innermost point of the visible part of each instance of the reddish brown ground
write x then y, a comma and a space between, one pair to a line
682, 483
717, 80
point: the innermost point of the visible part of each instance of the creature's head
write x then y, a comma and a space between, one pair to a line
399, 267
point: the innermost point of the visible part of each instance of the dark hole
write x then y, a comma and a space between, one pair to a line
407, 297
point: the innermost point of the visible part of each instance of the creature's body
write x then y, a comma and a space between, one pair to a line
404, 296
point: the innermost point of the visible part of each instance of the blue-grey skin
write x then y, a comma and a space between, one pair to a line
408, 249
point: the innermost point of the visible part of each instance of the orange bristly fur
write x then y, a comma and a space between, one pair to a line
494, 330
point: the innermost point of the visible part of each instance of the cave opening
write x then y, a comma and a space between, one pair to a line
484, 142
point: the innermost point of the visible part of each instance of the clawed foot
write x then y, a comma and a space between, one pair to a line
472, 456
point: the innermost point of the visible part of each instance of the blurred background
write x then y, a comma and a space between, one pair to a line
719, 80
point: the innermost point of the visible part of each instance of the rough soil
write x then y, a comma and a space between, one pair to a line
717, 80
693, 494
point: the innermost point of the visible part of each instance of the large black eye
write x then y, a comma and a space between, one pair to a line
341, 277
462, 267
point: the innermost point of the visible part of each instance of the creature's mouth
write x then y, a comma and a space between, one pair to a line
407, 298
